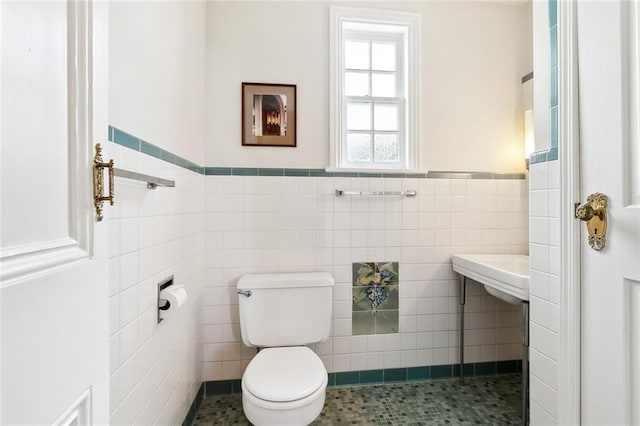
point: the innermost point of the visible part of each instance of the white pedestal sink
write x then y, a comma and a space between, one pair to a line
505, 276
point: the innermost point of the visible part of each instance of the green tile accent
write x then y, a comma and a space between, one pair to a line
319, 173
218, 387
395, 375
393, 175
167, 156
507, 367
418, 373
331, 379
345, 174
553, 154
270, 172
213, 171
236, 386
125, 139
370, 175
371, 376
553, 86
149, 149
554, 126
416, 175
553, 13
244, 171
485, 368
347, 378
182, 162
296, 172
441, 371
527, 77
469, 370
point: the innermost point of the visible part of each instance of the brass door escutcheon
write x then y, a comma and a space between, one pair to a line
594, 213
98, 197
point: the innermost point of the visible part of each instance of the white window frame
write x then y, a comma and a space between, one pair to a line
410, 107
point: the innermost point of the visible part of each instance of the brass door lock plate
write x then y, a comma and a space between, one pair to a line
594, 213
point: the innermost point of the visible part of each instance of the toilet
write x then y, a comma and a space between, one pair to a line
286, 382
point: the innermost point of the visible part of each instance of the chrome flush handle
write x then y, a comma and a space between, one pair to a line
246, 293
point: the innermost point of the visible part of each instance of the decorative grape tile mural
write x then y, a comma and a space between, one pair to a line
375, 298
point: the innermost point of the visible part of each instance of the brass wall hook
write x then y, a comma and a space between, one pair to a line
594, 213
98, 197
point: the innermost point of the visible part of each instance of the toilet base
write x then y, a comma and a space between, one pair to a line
299, 412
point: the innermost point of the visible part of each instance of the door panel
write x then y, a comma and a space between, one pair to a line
53, 268
609, 164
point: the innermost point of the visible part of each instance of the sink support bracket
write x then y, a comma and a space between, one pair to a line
525, 347
463, 299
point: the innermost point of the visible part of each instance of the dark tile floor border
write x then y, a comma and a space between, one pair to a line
390, 375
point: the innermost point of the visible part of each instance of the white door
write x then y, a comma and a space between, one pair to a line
53, 269
608, 52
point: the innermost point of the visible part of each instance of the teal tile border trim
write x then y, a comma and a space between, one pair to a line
243, 171
193, 410
527, 77
390, 375
550, 154
127, 140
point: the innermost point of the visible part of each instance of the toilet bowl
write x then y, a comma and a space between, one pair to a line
285, 383
284, 386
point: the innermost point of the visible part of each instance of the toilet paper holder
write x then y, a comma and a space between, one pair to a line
163, 304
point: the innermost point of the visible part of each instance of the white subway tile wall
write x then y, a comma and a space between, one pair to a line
545, 291
156, 369
288, 224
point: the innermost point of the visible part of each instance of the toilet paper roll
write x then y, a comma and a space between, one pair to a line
176, 296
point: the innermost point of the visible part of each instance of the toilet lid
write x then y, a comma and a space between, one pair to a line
284, 374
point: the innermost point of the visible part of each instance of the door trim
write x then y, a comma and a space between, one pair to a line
569, 366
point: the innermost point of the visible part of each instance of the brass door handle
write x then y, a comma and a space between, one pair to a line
594, 213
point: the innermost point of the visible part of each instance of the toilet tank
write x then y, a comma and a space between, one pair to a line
287, 309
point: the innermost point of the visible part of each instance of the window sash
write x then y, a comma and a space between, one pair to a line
397, 39
354, 24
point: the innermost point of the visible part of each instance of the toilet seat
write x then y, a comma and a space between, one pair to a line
284, 374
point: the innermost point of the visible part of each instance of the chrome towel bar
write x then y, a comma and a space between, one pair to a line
409, 193
152, 181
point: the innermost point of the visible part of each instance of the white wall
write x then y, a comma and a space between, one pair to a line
474, 57
156, 73
156, 93
284, 224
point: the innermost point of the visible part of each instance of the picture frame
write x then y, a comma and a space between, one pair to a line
269, 114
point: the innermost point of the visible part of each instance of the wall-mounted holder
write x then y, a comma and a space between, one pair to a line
163, 304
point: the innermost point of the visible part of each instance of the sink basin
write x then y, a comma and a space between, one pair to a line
505, 276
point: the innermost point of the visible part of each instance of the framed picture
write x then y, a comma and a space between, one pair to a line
268, 114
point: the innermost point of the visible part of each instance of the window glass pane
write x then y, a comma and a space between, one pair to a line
359, 116
386, 148
356, 84
383, 85
383, 56
358, 147
356, 55
385, 116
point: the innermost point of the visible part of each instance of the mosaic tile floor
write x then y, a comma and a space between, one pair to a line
492, 400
